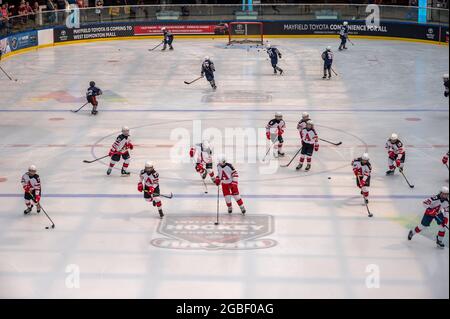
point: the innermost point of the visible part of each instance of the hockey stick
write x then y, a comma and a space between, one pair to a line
162, 195
156, 47
365, 202
298, 152
335, 144
334, 72
97, 159
447, 165
367, 206
268, 151
6, 73
80, 108
409, 184
440, 220
193, 81
218, 205
53, 224
350, 41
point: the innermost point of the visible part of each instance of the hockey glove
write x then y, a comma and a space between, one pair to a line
192, 152
111, 153
140, 187
130, 146
316, 147
37, 198
362, 183
445, 159
151, 190
27, 188
217, 181
199, 168
398, 163
356, 171
391, 155
268, 135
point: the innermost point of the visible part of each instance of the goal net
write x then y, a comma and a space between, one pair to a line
246, 32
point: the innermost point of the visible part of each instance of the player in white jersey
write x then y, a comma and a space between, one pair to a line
274, 132
229, 178
149, 184
202, 154
436, 209
302, 123
310, 143
396, 154
120, 149
363, 171
31, 184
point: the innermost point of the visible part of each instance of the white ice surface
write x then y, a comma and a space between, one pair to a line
325, 241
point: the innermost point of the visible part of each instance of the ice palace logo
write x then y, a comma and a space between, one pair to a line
235, 232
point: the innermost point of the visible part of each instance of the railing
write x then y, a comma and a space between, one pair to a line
266, 12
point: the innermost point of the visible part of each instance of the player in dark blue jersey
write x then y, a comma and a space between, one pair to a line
327, 57
274, 54
91, 96
343, 34
208, 70
168, 39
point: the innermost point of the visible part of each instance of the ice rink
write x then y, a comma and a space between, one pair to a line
306, 235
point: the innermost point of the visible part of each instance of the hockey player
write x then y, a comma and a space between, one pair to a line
31, 184
363, 171
436, 209
274, 54
445, 78
208, 70
168, 39
327, 57
91, 95
396, 154
302, 123
120, 149
149, 184
343, 34
274, 132
202, 153
445, 159
310, 143
228, 177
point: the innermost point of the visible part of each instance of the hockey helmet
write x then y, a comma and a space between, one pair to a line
149, 166
328, 48
278, 115
305, 115
206, 58
92, 83
32, 169
310, 123
365, 157
444, 190
268, 45
345, 23
222, 159
445, 77
206, 145
126, 130
394, 137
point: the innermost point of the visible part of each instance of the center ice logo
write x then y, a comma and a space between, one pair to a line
199, 232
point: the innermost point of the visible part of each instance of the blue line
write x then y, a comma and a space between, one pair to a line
199, 196
230, 110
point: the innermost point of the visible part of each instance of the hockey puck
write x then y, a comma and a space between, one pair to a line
329, 177
216, 224
47, 227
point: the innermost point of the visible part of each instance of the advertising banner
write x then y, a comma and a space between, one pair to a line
323, 27
18, 41
175, 29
